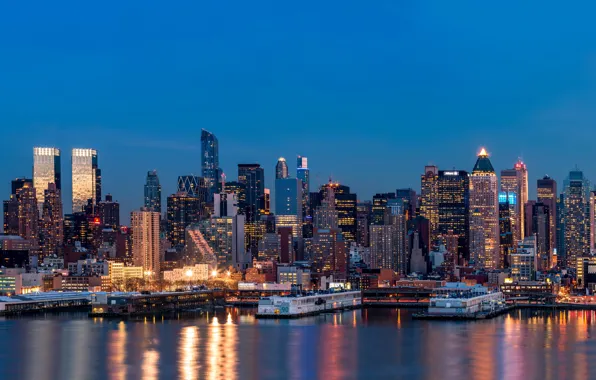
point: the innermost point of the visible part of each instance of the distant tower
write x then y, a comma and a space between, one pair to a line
511, 185
576, 211
153, 192
86, 178
429, 200
210, 162
484, 203
52, 222
303, 174
145, 240
281, 169
46, 170
547, 194
522, 169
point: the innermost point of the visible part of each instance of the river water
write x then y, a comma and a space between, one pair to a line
362, 344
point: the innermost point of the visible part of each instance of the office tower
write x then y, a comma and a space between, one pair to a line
11, 207
329, 252
77, 229
52, 223
592, 222
326, 216
383, 247
511, 183
345, 204
210, 162
396, 215
266, 204
239, 189
288, 197
484, 199
145, 241
429, 200
226, 235
363, 211
523, 197
379, 204
524, 263
21, 215
86, 178
225, 204
153, 192
46, 170
541, 227
410, 200
547, 194
182, 211
559, 255
507, 214
303, 174
281, 169
576, 211
454, 211
194, 186
417, 259
109, 212
528, 210
252, 177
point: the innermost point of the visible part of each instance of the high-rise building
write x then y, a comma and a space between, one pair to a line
410, 200
252, 177
21, 215
86, 178
329, 252
225, 204
576, 211
417, 259
524, 262
429, 200
507, 213
541, 230
303, 174
210, 162
511, 183
145, 240
281, 169
547, 194
51, 237
288, 196
383, 247
363, 212
11, 207
194, 186
46, 170
523, 196
109, 212
182, 211
454, 211
345, 204
153, 192
484, 199
379, 204
326, 216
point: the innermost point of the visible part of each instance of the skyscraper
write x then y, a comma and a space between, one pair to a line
11, 207
523, 197
576, 209
86, 178
288, 204
182, 211
252, 177
485, 201
281, 169
109, 212
210, 162
345, 204
454, 211
363, 212
52, 223
145, 240
547, 194
153, 192
28, 214
410, 200
46, 170
194, 186
541, 227
429, 200
511, 183
507, 213
303, 174
379, 204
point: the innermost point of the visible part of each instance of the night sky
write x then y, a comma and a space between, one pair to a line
370, 92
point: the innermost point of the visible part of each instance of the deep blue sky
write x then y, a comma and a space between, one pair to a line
369, 91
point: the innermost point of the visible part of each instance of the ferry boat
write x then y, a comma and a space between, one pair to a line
296, 306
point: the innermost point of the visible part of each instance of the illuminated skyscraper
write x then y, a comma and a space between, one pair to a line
210, 162
303, 174
576, 223
252, 177
410, 201
52, 223
363, 212
345, 204
46, 170
288, 204
86, 178
454, 211
153, 192
108, 212
429, 200
523, 198
145, 240
511, 183
182, 211
485, 201
281, 169
541, 227
27, 213
507, 212
379, 204
11, 207
547, 194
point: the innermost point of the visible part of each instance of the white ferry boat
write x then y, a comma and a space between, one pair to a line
303, 305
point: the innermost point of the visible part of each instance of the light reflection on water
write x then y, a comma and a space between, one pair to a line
232, 344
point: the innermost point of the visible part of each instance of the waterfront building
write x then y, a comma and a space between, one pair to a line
547, 194
52, 223
296, 275
576, 211
145, 240
182, 211
281, 169
210, 169
46, 170
429, 200
484, 200
457, 298
454, 211
188, 274
586, 272
86, 178
524, 263
153, 192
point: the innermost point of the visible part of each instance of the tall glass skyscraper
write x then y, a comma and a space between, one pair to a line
453, 205
252, 177
576, 221
86, 178
46, 170
281, 169
303, 174
153, 192
210, 161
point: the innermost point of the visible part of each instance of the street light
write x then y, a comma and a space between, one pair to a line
214, 273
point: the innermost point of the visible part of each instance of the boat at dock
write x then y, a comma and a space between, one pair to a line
296, 306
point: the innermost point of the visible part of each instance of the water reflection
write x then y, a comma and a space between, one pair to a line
117, 353
188, 353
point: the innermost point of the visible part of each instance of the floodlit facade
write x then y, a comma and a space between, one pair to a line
576, 210
86, 178
145, 240
46, 170
429, 199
